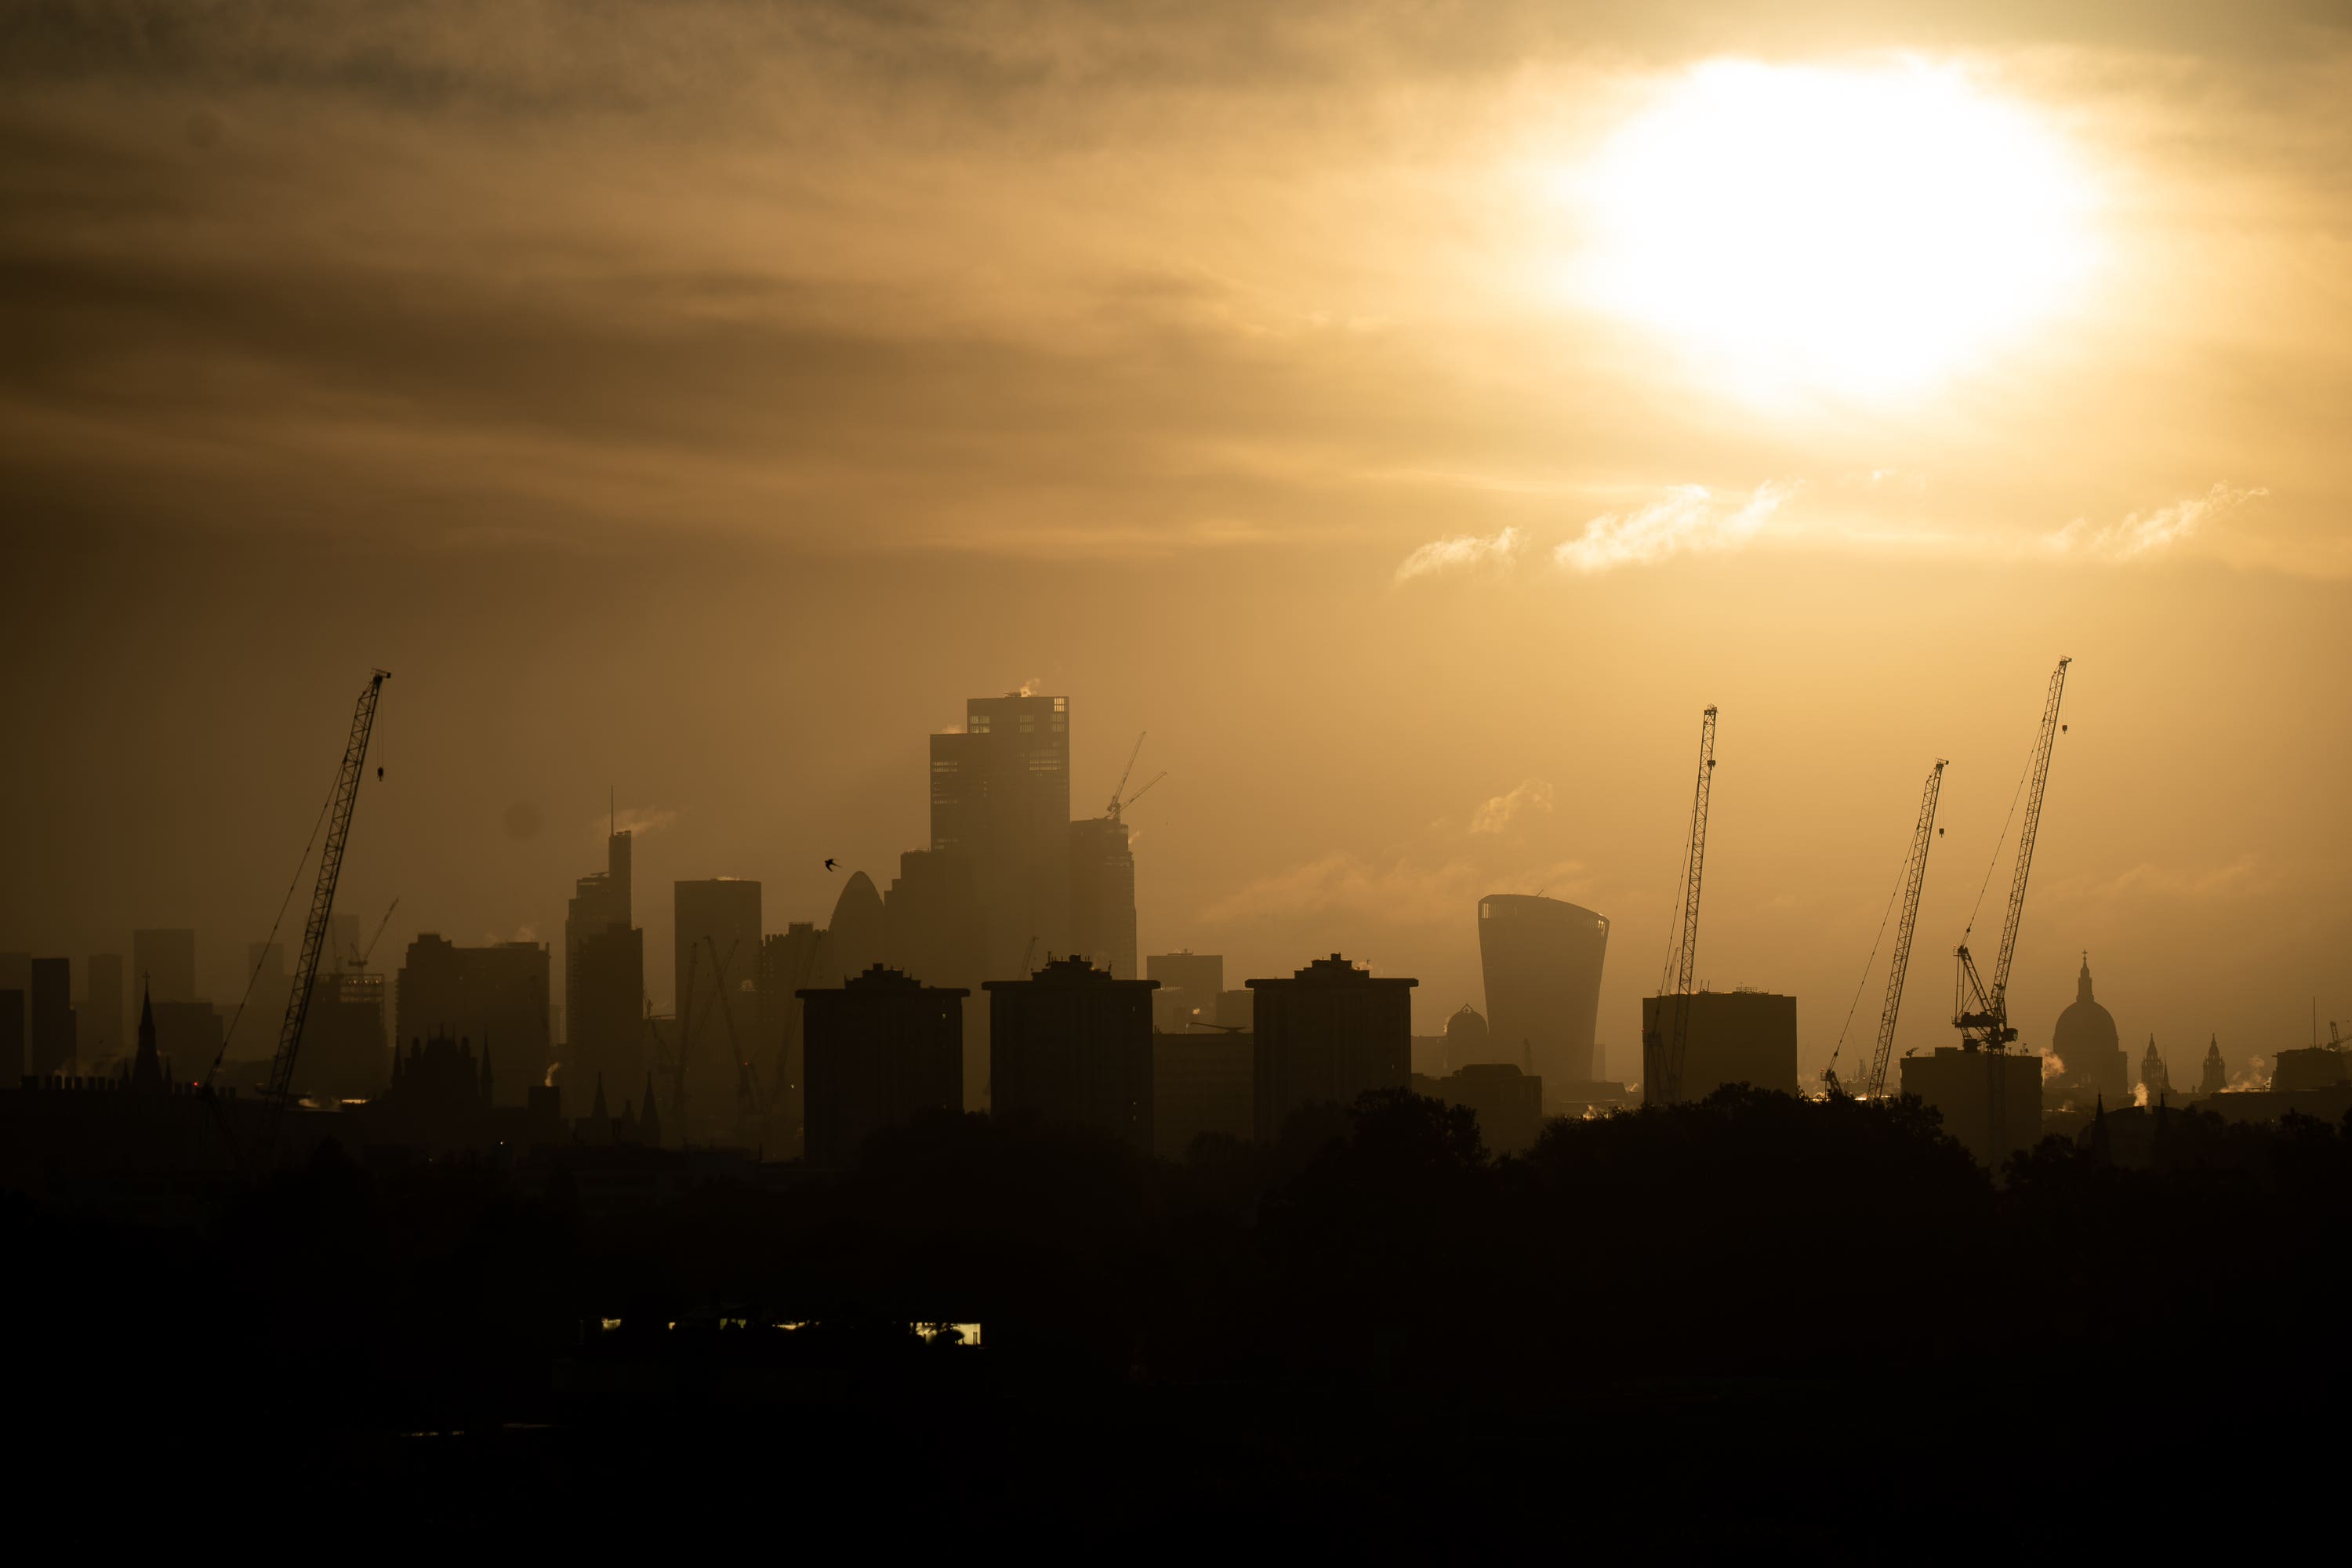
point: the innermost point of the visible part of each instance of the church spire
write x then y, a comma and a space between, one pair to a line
147, 1069
2083, 980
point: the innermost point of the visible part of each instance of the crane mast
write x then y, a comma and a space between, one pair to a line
1915, 877
1670, 1033
322, 904
1981, 1012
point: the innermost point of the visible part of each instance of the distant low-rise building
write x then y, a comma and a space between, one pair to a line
1734, 1037
1328, 1035
1509, 1103
1989, 1100
1202, 1081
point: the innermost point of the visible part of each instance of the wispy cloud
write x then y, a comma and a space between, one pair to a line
1498, 814
1408, 892
1690, 518
639, 820
1463, 552
2145, 533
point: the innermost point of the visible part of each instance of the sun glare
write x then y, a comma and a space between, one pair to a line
1854, 232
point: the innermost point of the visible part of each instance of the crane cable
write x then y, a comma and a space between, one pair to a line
1994, 864
1901, 877
263, 956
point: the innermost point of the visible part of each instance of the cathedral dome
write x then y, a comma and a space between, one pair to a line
1466, 1027
2085, 1030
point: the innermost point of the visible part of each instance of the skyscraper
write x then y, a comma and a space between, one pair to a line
603, 983
163, 963
496, 997
1001, 794
716, 925
1102, 894
1542, 961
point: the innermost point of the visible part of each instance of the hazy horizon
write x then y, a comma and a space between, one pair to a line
702, 404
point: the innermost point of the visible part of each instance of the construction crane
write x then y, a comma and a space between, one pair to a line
1669, 1036
1126, 773
1915, 877
359, 959
322, 903
749, 1100
1981, 1012
1906, 892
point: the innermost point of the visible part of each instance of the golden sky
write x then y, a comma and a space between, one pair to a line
1412, 415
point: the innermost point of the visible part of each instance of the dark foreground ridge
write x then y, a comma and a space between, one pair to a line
1735, 1321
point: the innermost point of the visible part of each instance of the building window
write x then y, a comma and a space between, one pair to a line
1061, 704
1028, 723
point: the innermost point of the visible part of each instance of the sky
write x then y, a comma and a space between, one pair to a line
1412, 416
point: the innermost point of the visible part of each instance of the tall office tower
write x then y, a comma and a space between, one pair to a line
163, 963
1191, 989
1000, 793
715, 926
496, 997
49, 1018
1326, 1036
933, 925
882, 1049
859, 928
101, 1013
1543, 960
1102, 894
1071, 1045
603, 984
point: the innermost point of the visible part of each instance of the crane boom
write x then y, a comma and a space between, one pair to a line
746, 1082
1982, 1015
1915, 877
1682, 958
1126, 773
322, 904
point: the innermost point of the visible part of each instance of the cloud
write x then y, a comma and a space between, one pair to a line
639, 820
2145, 533
1462, 553
1532, 795
1691, 518
1408, 891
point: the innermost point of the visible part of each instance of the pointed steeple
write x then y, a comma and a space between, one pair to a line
649, 1127
147, 1069
600, 1121
2083, 980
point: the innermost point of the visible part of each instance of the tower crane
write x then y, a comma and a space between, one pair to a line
1915, 877
1126, 773
1981, 1012
1669, 1035
322, 903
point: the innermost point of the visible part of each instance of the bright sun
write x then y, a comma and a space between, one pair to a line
1854, 232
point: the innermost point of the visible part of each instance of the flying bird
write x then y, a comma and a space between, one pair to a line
829, 862
379, 772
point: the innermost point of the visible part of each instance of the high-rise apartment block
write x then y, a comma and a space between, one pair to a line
881, 1050
1328, 1035
1072, 1045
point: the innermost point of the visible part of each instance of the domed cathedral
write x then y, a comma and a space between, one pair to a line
1468, 1041
2217, 1074
2152, 1075
2091, 1062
